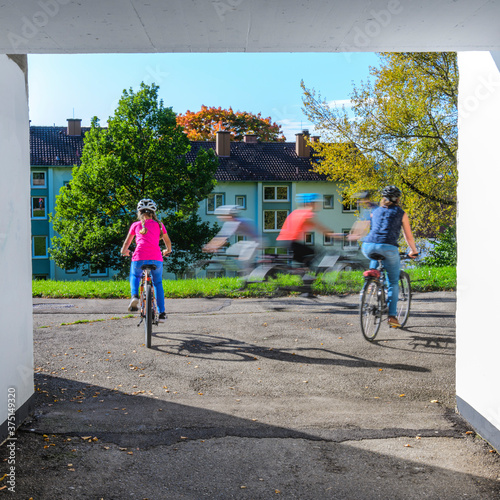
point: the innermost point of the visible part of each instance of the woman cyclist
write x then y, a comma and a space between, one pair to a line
386, 223
147, 232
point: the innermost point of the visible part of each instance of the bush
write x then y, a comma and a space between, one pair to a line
444, 252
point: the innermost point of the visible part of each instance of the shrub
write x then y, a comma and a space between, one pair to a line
444, 252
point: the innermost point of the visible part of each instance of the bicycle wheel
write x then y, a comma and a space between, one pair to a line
404, 298
148, 314
370, 310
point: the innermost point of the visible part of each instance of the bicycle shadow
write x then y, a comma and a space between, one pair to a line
441, 344
218, 348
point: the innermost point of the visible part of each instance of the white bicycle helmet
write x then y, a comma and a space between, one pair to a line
227, 210
147, 204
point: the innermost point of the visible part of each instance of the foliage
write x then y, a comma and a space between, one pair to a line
142, 154
444, 252
423, 278
203, 125
401, 130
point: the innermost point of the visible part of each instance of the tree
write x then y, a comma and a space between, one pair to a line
402, 131
142, 154
444, 251
203, 125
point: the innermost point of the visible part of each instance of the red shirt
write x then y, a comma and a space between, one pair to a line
295, 224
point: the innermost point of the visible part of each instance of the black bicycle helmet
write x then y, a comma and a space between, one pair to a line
392, 193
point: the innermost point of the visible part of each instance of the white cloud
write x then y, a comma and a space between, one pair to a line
339, 103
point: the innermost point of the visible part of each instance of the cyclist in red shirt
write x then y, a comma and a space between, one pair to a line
299, 222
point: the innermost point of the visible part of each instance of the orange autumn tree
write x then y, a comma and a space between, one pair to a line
203, 125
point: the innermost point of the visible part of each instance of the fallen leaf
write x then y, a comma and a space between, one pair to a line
402, 395
434, 401
86, 437
407, 446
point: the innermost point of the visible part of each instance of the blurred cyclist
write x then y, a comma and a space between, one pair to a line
297, 223
244, 250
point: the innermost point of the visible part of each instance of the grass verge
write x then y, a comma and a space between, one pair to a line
424, 279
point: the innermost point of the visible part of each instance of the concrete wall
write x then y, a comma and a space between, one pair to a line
16, 325
478, 332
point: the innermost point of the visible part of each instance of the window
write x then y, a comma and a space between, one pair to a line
327, 239
274, 219
348, 205
71, 271
240, 237
219, 273
241, 200
328, 201
40, 277
349, 244
96, 271
308, 238
214, 201
40, 247
38, 207
276, 251
67, 184
275, 193
38, 180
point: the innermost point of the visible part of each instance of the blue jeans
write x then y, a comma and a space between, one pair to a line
135, 279
392, 267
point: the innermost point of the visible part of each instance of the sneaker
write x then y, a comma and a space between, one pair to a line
162, 317
132, 307
374, 273
393, 322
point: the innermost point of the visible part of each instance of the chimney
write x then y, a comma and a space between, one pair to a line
315, 138
223, 143
250, 139
74, 126
301, 148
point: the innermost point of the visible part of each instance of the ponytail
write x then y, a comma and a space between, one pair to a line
140, 216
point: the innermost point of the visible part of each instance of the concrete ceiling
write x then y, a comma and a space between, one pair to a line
92, 26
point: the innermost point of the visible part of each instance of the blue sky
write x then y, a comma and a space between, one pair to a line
82, 86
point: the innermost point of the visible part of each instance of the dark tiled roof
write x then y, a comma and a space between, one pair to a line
53, 146
268, 161
265, 161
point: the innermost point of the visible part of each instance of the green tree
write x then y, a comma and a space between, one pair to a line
141, 154
444, 252
401, 130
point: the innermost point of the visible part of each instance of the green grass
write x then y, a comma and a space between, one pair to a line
424, 279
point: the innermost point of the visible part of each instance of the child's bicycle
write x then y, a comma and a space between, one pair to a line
373, 304
147, 302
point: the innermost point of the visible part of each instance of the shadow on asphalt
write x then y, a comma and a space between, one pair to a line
212, 347
94, 442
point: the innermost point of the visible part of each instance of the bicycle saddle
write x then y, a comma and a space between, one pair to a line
376, 256
148, 266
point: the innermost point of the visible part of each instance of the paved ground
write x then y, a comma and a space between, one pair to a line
247, 399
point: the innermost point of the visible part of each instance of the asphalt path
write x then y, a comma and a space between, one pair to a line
248, 399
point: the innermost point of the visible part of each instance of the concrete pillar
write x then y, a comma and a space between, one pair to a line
16, 324
478, 333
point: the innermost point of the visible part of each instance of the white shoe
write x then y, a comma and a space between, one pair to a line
132, 307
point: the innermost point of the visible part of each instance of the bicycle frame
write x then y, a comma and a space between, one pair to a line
148, 305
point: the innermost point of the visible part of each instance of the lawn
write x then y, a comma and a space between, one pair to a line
423, 279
